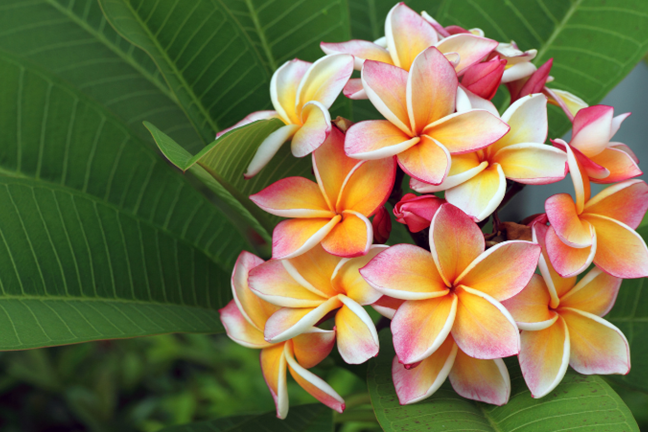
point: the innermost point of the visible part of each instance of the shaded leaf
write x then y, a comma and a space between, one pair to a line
578, 403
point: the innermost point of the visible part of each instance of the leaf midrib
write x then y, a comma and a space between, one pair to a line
264, 41
557, 30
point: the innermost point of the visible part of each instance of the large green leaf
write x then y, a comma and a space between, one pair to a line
100, 238
594, 43
72, 39
578, 403
630, 314
303, 418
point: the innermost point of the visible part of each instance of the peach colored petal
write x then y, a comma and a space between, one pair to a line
566, 260
481, 380
332, 166
386, 88
376, 139
532, 163
367, 187
467, 131
597, 347
405, 272
544, 357
564, 218
292, 238
595, 293
431, 89
293, 197
313, 270
480, 195
239, 329
427, 161
530, 307
471, 49
315, 129
556, 285
253, 309
483, 328
625, 202
420, 327
351, 237
324, 80
287, 323
592, 127
387, 306
273, 367
272, 283
354, 90
620, 251
314, 385
455, 241
283, 89
360, 50
415, 384
357, 339
451, 180
348, 280
578, 175
312, 347
407, 34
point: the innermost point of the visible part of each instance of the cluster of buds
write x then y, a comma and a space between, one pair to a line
458, 304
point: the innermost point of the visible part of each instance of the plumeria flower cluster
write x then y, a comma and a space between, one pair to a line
458, 301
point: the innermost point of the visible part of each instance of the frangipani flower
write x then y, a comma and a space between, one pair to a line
601, 229
422, 128
456, 289
407, 35
312, 286
518, 63
301, 94
334, 210
561, 325
244, 319
477, 181
590, 152
481, 380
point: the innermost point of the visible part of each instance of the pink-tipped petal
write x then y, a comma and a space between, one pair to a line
421, 280
620, 251
268, 148
360, 50
592, 127
351, 237
620, 165
544, 357
595, 293
455, 242
483, 328
239, 329
471, 48
407, 35
387, 306
421, 326
566, 260
467, 131
532, 163
367, 187
294, 237
287, 323
324, 80
255, 310
294, 197
431, 89
597, 347
315, 129
386, 88
312, 347
273, 367
427, 161
376, 139
625, 202
530, 307
272, 283
313, 270
250, 118
564, 218
283, 88
314, 385
354, 90
556, 284
348, 280
503, 270
357, 338
415, 384
480, 195
481, 380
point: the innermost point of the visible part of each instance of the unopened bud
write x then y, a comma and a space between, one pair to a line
381, 226
417, 211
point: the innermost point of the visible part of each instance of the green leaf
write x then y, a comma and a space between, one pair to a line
302, 418
99, 237
630, 314
594, 43
72, 40
578, 403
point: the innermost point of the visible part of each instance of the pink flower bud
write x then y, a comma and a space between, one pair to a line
381, 226
455, 29
484, 78
534, 83
417, 211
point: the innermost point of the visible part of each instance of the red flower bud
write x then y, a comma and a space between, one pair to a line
381, 226
534, 83
417, 211
455, 29
484, 78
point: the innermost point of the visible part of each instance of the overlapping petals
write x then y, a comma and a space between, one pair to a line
333, 211
439, 301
